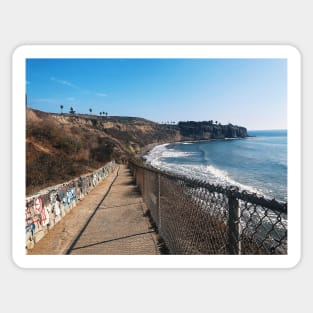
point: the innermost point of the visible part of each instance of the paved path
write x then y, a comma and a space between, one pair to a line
114, 225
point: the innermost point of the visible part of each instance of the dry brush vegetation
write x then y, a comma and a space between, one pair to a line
60, 147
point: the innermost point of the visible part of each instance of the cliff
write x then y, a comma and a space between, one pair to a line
208, 130
60, 147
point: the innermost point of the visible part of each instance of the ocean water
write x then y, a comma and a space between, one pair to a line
256, 164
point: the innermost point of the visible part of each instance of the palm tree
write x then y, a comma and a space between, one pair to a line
72, 110
100, 113
90, 110
61, 106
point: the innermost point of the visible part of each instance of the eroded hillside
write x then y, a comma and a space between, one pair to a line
60, 147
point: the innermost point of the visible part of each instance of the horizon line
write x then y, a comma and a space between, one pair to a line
97, 115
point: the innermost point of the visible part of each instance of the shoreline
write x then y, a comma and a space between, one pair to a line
146, 157
146, 149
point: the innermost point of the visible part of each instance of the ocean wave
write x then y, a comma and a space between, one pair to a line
197, 164
155, 153
162, 151
208, 173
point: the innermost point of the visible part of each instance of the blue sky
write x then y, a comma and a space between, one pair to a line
247, 92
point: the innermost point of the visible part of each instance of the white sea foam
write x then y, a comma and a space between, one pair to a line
224, 178
158, 156
170, 153
155, 153
162, 151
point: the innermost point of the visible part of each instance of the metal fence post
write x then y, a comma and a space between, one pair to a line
234, 226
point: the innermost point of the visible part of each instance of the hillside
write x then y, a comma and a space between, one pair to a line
60, 147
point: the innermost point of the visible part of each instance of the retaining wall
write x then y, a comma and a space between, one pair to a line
47, 207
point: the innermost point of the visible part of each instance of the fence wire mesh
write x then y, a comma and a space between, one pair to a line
196, 217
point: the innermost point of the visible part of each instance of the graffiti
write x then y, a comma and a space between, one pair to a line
35, 215
46, 208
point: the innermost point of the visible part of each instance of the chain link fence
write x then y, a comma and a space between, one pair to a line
196, 217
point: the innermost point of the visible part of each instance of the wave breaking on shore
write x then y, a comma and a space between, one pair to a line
163, 157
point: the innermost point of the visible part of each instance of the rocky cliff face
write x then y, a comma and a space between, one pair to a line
208, 130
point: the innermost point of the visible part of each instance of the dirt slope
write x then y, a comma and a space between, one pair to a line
60, 147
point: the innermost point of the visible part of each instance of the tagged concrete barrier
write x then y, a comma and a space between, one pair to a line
47, 207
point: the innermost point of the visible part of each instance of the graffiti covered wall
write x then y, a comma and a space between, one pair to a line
49, 206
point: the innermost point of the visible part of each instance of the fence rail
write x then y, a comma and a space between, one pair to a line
196, 217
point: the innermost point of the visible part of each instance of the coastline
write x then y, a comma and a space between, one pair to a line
146, 149
214, 171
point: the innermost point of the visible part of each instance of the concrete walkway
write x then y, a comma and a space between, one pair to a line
109, 220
